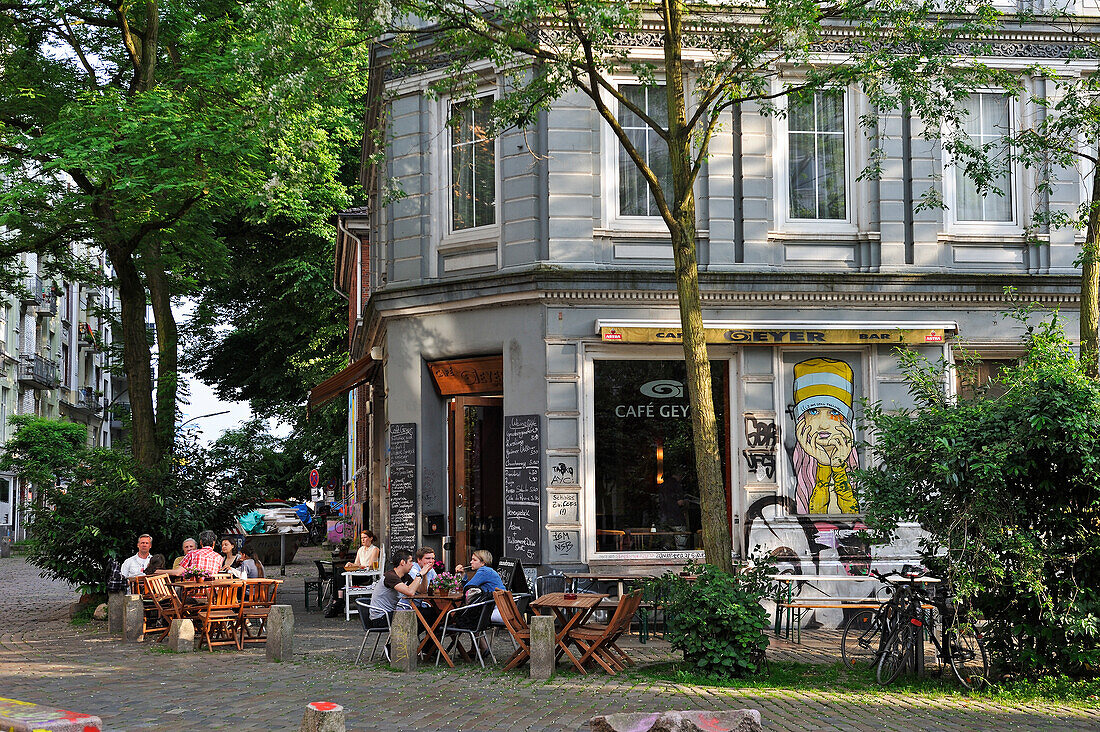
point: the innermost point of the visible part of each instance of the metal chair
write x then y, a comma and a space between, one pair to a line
552, 582
323, 584
364, 616
473, 620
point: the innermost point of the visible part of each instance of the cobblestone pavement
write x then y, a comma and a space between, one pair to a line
46, 660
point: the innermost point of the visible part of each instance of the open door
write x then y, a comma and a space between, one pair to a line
476, 475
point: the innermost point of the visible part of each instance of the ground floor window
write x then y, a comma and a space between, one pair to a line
646, 492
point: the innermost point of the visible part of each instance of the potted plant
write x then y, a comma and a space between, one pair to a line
447, 583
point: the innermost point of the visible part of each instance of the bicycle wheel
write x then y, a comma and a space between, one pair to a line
969, 660
897, 652
860, 640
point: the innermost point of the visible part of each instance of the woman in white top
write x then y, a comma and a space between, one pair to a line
368, 555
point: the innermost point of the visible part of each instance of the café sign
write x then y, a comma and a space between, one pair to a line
773, 336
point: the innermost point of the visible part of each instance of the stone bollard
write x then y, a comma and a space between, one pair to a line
280, 633
403, 640
133, 618
181, 635
728, 720
543, 647
115, 602
323, 717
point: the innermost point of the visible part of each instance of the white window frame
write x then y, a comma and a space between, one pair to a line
784, 222
446, 237
609, 165
1017, 179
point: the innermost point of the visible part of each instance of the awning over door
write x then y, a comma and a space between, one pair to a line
355, 375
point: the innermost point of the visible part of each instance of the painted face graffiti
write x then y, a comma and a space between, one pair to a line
825, 441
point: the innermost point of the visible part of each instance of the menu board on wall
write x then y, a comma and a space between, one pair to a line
402, 487
522, 487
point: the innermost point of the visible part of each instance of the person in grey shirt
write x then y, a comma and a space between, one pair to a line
394, 583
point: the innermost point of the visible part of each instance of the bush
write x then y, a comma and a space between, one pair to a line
716, 619
1006, 483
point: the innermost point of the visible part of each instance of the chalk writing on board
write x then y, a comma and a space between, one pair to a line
403, 513
564, 508
522, 486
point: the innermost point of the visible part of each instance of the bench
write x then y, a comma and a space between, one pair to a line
797, 608
19, 716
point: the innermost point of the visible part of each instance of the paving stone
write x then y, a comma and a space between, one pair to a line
46, 660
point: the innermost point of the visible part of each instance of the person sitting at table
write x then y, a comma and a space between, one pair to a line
232, 559
205, 559
423, 567
250, 567
136, 564
189, 545
368, 555
394, 583
485, 577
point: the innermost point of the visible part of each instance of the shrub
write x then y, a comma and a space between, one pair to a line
716, 619
1006, 483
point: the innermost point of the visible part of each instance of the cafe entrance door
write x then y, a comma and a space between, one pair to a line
476, 475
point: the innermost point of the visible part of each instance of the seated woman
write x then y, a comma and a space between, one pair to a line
485, 577
250, 567
232, 558
368, 554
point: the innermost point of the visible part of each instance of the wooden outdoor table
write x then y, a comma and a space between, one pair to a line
191, 591
442, 603
570, 611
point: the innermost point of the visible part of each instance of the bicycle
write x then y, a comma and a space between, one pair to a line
957, 645
864, 633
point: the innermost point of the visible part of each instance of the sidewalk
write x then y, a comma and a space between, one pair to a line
44, 659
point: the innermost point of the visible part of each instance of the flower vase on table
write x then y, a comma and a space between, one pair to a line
447, 583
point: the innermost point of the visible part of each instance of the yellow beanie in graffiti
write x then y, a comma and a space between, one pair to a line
823, 382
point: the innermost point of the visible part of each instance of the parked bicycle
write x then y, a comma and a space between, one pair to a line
891, 637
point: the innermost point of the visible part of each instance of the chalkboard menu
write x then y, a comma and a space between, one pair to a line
512, 575
402, 488
522, 487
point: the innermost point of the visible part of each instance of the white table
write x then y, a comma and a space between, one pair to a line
351, 591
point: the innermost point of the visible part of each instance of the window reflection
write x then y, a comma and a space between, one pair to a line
473, 166
647, 493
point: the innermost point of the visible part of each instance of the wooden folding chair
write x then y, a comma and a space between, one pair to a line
160, 604
259, 596
517, 628
219, 617
597, 642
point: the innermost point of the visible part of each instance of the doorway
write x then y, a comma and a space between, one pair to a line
476, 475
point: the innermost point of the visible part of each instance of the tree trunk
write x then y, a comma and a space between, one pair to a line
708, 463
1090, 283
136, 360
167, 347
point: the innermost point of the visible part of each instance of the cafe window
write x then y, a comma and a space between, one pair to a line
646, 491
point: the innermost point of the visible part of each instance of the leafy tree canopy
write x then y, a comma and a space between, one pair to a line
1006, 483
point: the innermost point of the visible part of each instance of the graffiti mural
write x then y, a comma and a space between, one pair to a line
825, 441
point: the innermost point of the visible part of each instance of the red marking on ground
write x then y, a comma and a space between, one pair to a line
72, 716
324, 706
712, 723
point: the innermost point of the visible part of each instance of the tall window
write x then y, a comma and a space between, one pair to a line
988, 121
646, 491
635, 198
815, 138
473, 166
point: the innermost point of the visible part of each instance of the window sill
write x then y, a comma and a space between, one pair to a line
470, 239
818, 236
648, 234
977, 239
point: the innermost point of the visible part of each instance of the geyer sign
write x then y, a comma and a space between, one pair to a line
779, 336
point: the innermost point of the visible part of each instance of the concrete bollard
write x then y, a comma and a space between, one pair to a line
115, 601
323, 717
133, 618
543, 647
181, 635
403, 640
280, 633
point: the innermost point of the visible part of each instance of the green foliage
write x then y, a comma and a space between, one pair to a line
108, 501
1007, 485
716, 619
43, 451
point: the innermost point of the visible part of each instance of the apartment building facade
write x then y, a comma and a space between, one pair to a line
55, 364
517, 381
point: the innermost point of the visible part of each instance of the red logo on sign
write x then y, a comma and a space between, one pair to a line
612, 335
933, 337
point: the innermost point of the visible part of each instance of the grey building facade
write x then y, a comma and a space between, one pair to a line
516, 306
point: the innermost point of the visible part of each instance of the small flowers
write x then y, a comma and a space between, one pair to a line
447, 583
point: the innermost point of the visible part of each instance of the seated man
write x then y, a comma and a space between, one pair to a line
189, 545
394, 583
424, 567
136, 564
205, 559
